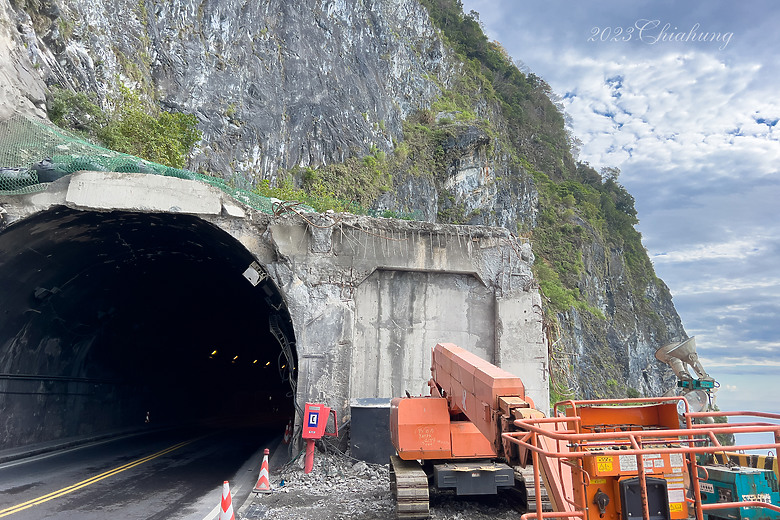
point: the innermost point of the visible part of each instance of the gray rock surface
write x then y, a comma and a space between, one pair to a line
273, 84
22, 89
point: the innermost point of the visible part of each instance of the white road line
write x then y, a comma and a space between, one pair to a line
213, 514
43, 456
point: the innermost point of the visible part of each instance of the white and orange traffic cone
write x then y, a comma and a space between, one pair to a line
226, 508
287, 433
263, 484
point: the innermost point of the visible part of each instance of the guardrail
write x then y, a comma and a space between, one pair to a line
559, 446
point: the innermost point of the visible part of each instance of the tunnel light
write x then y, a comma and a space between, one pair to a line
214, 353
268, 363
254, 362
284, 366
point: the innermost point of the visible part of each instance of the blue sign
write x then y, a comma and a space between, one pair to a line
313, 417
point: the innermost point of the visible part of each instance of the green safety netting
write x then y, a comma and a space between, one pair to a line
35, 152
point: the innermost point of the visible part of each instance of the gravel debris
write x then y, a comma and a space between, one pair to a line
340, 487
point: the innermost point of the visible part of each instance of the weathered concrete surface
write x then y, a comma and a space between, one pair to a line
521, 348
400, 310
368, 297
107, 190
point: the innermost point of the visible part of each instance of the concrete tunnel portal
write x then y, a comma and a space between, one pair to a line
126, 293
108, 315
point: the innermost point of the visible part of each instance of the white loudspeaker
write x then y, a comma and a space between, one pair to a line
677, 355
698, 400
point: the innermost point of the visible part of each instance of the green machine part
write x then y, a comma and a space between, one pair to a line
740, 484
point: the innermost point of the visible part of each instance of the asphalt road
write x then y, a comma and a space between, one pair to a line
176, 474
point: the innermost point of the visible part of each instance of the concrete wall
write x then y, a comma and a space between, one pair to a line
371, 297
368, 297
401, 315
521, 346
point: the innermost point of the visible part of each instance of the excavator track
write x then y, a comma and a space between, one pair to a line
527, 475
409, 486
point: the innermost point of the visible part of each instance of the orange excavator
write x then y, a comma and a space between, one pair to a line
597, 459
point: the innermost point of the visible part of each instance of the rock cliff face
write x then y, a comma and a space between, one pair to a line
615, 356
274, 84
277, 84
21, 87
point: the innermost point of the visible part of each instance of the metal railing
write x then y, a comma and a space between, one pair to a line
559, 445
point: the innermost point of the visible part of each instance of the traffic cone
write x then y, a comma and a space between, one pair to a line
263, 485
287, 433
226, 509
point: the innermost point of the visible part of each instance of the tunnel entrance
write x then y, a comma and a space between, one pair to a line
109, 315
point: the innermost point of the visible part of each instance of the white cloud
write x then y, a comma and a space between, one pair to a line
766, 346
736, 361
735, 249
721, 285
690, 111
718, 350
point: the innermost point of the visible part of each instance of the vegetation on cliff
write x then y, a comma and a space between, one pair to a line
534, 124
133, 127
572, 195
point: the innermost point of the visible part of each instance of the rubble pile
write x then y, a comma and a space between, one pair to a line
340, 487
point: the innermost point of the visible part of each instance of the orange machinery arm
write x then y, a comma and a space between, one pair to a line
480, 390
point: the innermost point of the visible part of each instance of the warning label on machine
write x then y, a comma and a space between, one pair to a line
604, 464
758, 497
676, 460
674, 481
706, 487
628, 463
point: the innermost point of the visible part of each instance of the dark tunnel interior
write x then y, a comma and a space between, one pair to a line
109, 315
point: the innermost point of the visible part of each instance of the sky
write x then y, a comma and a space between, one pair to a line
683, 97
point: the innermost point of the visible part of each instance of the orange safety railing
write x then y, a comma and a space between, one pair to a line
557, 446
